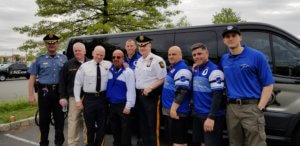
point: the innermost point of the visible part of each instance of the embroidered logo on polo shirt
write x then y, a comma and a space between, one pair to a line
244, 66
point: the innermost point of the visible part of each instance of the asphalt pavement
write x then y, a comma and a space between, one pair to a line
12, 89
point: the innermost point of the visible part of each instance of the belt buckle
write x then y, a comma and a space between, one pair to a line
238, 101
97, 93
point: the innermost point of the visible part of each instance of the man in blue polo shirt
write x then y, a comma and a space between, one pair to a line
249, 85
175, 97
121, 96
208, 85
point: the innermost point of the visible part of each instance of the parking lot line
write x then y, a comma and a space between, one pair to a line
21, 139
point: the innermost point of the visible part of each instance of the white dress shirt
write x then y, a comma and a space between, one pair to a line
148, 70
86, 77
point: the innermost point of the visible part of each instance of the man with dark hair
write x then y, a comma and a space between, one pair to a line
175, 97
208, 85
47, 68
249, 84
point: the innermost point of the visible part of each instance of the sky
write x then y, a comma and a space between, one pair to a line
284, 14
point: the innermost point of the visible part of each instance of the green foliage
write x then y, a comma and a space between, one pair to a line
227, 15
68, 18
19, 108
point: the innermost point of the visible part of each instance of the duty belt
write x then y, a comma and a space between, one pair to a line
49, 86
242, 101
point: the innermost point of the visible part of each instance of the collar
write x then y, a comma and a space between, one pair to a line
94, 62
203, 65
148, 57
48, 56
78, 62
242, 53
133, 56
177, 64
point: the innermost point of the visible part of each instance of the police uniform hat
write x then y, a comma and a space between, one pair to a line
51, 38
231, 28
142, 40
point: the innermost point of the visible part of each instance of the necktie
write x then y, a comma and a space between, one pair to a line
98, 85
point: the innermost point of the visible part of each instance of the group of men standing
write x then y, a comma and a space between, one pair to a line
99, 90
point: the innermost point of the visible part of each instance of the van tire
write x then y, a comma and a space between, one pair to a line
2, 77
296, 136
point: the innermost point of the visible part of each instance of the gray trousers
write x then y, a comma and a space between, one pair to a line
245, 125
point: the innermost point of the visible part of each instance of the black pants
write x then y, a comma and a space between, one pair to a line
147, 110
120, 125
48, 102
95, 109
209, 138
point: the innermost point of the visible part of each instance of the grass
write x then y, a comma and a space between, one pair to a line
20, 108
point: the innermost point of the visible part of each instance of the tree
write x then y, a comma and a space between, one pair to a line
183, 22
227, 15
69, 18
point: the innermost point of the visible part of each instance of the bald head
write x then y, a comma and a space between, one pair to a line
174, 55
118, 58
118, 52
79, 51
99, 53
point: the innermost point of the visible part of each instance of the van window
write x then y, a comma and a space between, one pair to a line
161, 43
259, 41
287, 57
186, 39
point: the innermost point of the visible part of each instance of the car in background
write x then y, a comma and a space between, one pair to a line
13, 70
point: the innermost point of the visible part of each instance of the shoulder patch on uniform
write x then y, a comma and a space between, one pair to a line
161, 64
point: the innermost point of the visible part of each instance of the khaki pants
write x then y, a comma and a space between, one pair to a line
245, 125
75, 124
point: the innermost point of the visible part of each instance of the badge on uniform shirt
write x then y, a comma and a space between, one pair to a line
161, 64
149, 62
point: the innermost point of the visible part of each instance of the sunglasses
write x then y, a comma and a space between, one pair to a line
116, 57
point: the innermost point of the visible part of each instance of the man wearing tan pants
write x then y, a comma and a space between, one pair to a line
249, 84
66, 86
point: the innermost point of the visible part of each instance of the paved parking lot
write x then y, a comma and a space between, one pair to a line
12, 89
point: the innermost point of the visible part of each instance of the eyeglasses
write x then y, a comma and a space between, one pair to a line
116, 57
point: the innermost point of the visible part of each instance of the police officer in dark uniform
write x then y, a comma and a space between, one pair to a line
47, 68
150, 72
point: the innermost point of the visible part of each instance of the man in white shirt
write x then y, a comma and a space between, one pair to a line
92, 76
150, 73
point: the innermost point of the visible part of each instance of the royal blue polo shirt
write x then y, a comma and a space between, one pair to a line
246, 74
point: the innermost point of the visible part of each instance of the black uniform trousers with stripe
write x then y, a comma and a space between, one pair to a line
147, 111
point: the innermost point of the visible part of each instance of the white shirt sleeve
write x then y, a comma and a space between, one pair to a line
78, 83
183, 78
216, 79
130, 84
160, 68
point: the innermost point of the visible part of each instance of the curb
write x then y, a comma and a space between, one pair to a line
17, 124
